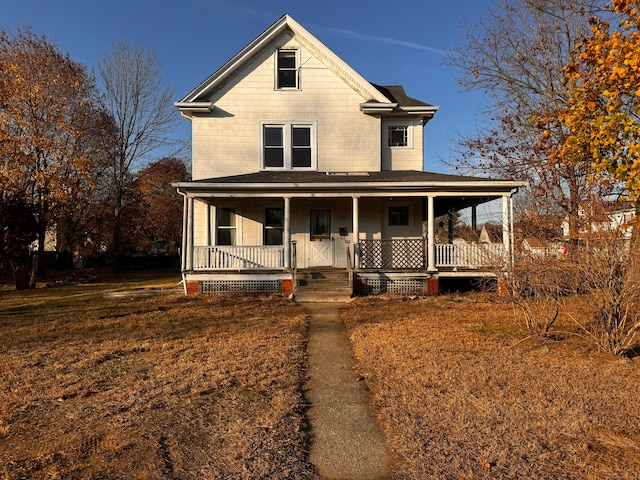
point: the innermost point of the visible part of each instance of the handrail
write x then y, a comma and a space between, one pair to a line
294, 267
349, 267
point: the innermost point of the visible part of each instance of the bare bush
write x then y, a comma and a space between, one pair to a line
536, 286
609, 273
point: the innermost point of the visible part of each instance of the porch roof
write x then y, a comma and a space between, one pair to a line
410, 180
461, 191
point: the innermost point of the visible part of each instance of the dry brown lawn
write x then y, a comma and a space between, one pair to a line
459, 397
150, 387
212, 387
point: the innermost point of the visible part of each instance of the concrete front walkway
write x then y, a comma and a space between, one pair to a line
346, 440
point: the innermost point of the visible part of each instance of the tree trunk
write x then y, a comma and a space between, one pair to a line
117, 232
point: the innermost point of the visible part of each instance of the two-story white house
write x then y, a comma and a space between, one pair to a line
301, 163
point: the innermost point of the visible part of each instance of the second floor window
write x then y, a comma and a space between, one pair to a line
287, 71
288, 146
398, 136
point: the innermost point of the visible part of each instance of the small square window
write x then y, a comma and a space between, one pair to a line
398, 136
398, 216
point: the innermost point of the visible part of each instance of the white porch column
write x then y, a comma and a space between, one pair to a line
189, 235
506, 237
209, 223
213, 225
356, 233
431, 236
287, 232
183, 243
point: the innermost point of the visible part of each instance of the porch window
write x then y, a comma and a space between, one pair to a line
273, 226
288, 146
226, 221
398, 216
287, 71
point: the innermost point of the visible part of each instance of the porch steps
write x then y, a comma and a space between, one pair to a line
322, 285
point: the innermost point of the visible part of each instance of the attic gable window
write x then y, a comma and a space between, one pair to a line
287, 71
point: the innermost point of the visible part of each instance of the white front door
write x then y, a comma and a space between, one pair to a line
320, 239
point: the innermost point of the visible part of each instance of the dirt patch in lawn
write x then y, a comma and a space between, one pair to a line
150, 387
457, 399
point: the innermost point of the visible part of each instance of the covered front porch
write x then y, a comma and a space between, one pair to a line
250, 235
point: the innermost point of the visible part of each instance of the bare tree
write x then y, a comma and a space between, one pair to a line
142, 109
517, 56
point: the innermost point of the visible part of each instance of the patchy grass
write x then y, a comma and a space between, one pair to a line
150, 387
459, 397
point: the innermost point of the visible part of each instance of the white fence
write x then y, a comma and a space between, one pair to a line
238, 258
470, 256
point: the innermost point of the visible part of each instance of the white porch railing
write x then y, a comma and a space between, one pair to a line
238, 258
409, 254
470, 256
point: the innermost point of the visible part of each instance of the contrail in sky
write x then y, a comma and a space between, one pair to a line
263, 15
377, 39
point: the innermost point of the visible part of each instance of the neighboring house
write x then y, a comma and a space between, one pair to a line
536, 247
301, 163
491, 233
605, 216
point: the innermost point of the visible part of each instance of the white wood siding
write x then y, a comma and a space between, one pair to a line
403, 158
227, 141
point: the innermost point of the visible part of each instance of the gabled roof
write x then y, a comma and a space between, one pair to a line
378, 99
282, 24
396, 94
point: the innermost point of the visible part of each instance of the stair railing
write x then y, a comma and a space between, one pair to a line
349, 266
294, 267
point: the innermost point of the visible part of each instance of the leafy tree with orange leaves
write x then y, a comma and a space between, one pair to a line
46, 109
603, 115
516, 55
160, 200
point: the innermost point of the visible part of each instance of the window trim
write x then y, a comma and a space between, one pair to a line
287, 140
277, 68
387, 135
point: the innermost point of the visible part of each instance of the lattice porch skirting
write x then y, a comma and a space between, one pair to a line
238, 283
373, 283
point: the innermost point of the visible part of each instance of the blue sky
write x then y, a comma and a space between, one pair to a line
386, 42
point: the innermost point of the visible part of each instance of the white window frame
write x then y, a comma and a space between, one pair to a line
276, 68
287, 127
387, 137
